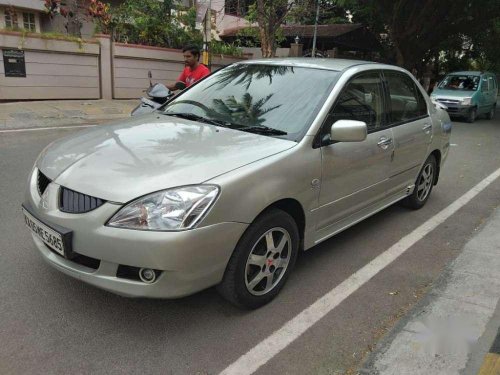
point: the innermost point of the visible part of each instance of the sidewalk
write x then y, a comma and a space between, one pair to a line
36, 114
455, 328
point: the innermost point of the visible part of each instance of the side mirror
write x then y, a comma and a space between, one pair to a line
158, 90
348, 131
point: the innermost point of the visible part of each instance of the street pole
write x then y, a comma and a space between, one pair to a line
313, 53
207, 35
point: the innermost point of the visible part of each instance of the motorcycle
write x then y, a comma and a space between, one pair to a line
157, 95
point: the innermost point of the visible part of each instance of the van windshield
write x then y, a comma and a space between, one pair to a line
460, 82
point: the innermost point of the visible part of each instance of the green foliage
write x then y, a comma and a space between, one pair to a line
153, 23
330, 12
418, 30
221, 48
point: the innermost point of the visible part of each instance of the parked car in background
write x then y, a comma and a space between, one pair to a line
468, 94
232, 178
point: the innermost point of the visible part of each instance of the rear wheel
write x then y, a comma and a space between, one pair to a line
262, 261
423, 186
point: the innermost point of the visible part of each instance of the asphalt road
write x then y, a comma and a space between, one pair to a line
53, 324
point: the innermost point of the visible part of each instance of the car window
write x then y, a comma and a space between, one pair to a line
492, 83
484, 85
361, 100
246, 96
406, 101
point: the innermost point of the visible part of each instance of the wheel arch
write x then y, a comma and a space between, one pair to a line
437, 155
295, 210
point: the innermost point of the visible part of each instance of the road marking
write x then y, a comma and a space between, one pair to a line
48, 128
260, 354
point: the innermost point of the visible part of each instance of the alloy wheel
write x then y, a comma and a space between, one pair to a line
425, 181
268, 261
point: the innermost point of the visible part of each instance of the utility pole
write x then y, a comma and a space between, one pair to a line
204, 24
313, 53
208, 35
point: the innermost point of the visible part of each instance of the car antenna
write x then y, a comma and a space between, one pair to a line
150, 76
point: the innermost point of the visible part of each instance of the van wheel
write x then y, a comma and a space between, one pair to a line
262, 261
423, 186
472, 115
491, 113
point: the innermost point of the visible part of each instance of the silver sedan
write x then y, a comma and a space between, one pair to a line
230, 180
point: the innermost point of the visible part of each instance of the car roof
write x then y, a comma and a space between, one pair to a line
316, 63
467, 73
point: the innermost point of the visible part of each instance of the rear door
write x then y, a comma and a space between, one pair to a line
411, 126
355, 174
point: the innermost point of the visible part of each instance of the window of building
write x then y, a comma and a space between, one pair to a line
237, 8
10, 19
29, 22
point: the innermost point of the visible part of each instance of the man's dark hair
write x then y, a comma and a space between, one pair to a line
193, 49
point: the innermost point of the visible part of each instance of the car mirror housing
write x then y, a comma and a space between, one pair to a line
348, 131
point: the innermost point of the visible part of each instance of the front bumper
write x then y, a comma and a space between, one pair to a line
457, 109
188, 261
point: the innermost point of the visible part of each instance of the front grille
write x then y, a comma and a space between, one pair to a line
74, 202
42, 182
448, 101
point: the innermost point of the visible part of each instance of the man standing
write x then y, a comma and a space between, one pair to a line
194, 71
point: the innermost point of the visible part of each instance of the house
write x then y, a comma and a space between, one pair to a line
21, 14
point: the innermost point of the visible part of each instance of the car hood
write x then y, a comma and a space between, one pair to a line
149, 153
452, 94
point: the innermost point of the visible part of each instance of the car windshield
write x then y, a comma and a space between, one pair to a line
273, 100
460, 82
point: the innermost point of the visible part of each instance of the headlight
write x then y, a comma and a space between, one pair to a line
168, 210
466, 101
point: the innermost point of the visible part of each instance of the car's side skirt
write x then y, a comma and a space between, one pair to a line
355, 218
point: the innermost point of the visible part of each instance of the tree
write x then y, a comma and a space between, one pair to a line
269, 15
154, 23
76, 11
418, 29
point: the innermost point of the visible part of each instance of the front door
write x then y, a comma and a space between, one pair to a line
355, 175
411, 126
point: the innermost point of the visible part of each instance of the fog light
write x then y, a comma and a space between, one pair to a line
147, 275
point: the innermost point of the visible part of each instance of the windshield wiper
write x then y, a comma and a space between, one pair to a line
192, 116
262, 129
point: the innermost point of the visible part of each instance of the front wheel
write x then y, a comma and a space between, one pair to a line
472, 115
491, 113
423, 185
262, 261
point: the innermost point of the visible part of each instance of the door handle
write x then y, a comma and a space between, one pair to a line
384, 142
427, 128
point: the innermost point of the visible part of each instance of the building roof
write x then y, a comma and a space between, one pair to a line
305, 30
25, 4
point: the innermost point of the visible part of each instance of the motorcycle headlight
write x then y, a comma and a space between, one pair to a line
466, 101
168, 210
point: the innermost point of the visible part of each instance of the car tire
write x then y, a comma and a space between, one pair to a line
423, 185
491, 113
262, 260
471, 117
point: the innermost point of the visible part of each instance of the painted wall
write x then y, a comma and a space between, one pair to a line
132, 64
59, 69
55, 69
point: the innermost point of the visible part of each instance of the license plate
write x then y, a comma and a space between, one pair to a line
52, 238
